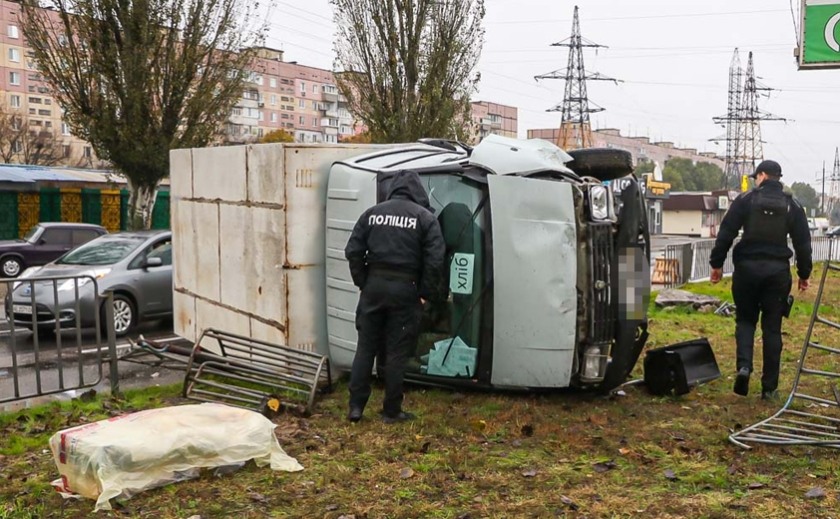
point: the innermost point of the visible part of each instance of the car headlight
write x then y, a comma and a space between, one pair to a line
83, 279
28, 273
600, 203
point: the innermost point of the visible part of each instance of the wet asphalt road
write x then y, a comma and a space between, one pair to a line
56, 365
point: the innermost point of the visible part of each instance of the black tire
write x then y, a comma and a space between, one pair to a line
125, 315
601, 163
11, 266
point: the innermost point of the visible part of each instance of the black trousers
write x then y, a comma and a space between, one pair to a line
760, 287
387, 320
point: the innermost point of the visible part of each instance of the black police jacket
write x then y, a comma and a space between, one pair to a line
765, 229
400, 235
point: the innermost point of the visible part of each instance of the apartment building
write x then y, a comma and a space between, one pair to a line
493, 118
26, 98
641, 148
278, 94
302, 100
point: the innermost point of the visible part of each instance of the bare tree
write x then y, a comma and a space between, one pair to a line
22, 143
407, 65
137, 78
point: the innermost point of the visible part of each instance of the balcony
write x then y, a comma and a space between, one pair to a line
327, 122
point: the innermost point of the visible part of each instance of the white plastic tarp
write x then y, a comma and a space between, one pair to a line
125, 455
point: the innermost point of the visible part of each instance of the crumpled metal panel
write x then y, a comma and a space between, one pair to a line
535, 268
505, 156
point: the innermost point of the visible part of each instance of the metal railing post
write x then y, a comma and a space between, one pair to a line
111, 337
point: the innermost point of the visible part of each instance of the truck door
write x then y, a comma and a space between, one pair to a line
535, 272
349, 193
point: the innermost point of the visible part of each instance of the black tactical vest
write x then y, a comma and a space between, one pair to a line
767, 220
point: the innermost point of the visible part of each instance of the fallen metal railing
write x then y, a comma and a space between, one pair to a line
810, 415
247, 372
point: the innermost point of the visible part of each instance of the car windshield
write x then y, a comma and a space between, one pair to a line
30, 236
103, 251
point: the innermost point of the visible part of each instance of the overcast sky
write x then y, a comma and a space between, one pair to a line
673, 59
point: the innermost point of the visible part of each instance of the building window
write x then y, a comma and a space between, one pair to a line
65, 129
66, 148
301, 120
314, 121
272, 82
314, 89
260, 115
236, 111
14, 55
302, 87
301, 102
14, 101
17, 147
45, 112
14, 78
88, 152
273, 99
12, 31
35, 100
273, 117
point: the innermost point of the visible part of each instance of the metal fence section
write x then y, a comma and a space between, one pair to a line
692, 259
810, 415
38, 355
676, 268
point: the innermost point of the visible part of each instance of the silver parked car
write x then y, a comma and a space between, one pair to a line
136, 266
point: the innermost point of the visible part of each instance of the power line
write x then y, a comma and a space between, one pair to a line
647, 17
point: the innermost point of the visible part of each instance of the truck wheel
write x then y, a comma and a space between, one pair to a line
601, 163
11, 266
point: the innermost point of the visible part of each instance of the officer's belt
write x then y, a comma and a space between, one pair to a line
387, 273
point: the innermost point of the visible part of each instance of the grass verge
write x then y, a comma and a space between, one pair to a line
488, 455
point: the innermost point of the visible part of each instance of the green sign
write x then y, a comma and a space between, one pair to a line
820, 37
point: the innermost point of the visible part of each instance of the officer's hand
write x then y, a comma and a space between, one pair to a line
804, 284
422, 301
716, 276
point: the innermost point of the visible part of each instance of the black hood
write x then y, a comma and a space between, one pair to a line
406, 185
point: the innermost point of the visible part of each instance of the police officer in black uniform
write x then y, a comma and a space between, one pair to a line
396, 255
761, 282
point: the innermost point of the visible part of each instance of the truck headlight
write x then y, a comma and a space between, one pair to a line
600, 203
593, 361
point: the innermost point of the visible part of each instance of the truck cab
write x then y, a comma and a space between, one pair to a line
547, 273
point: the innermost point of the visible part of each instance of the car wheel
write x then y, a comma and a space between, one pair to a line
11, 266
125, 316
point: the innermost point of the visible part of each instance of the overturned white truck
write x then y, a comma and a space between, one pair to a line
547, 280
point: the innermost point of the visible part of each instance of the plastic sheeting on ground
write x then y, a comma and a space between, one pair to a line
122, 456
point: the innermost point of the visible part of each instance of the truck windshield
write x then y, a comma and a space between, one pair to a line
450, 330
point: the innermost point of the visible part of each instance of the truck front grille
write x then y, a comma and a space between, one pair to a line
602, 316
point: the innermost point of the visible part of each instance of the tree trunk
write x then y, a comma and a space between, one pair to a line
141, 202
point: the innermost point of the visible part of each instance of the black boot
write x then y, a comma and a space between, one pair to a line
742, 382
355, 414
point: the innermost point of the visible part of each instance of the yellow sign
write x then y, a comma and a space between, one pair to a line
655, 187
745, 184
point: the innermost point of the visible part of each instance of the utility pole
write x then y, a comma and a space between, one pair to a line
575, 130
822, 198
731, 120
743, 140
834, 192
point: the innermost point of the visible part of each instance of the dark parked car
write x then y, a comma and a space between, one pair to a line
42, 244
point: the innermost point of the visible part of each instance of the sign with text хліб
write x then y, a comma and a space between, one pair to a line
819, 35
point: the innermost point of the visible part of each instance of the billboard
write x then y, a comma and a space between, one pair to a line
819, 37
